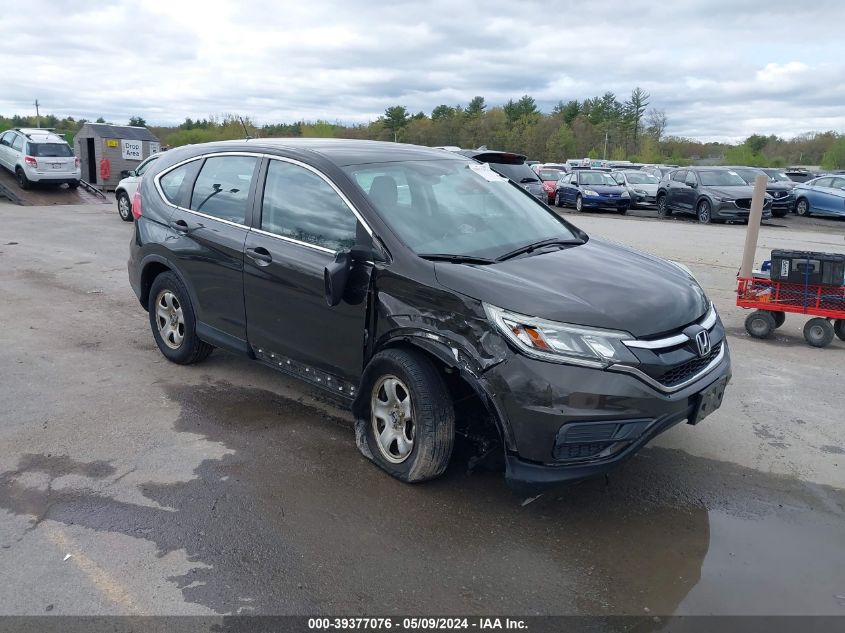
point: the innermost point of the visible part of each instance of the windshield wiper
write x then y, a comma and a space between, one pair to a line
456, 259
528, 248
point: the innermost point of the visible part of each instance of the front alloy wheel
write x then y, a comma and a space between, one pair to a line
802, 207
662, 207
703, 212
392, 419
579, 203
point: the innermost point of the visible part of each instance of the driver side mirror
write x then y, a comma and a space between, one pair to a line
336, 274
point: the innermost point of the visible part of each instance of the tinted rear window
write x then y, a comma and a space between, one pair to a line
49, 149
518, 173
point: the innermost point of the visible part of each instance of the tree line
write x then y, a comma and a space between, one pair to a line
603, 126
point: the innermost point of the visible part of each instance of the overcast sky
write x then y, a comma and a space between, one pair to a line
721, 69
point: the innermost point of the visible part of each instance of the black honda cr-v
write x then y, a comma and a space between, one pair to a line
410, 282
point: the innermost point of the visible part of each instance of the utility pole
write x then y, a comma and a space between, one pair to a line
37, 115
605, 146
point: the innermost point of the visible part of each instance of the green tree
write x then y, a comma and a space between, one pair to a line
636, 107
137, 121
476, 107
442, 112
834, 158
396, 118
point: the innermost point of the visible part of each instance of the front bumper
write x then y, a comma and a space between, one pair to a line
729, 211
564, 423
604, 202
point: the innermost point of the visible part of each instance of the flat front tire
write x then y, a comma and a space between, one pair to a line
173, 322
409, 425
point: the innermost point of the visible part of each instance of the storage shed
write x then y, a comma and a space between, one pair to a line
121, 146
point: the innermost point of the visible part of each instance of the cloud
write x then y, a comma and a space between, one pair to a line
722, 69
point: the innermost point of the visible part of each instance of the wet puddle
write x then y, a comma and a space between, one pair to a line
294, 520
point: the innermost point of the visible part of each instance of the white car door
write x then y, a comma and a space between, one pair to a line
5, 149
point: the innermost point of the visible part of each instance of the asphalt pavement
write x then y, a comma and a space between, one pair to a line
129, 485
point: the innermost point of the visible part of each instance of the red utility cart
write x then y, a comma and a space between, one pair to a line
773, 299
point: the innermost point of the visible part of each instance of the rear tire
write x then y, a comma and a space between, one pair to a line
174, 323
23, 181
409, 425
818, 332
839, 329
779, 317
802, 207
124, 207
760, 324
73, 184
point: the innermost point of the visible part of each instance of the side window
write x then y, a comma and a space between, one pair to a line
300, 205
690, 179
679, 175
824, 182
838, 183
17, 143
171, 182
619, 178
222, 187
6, 139
143, 167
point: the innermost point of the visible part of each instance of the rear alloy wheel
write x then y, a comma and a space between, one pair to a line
579, 203
662, 207
703, 212
409, 429
839, 328
124, 207
173, 322
819, 332
23, 181
760, 324
802, 207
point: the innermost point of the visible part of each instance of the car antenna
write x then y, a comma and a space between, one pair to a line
248, 137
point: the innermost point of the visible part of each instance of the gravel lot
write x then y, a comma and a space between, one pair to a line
225, 487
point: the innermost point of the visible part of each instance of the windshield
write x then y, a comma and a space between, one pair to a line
749, 175
456, 207
596, 178
640, 178
518, 173
719, 178
550, 174
777, 176
49, 149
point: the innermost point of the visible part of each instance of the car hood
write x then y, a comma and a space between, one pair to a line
605, 188
730, 191
650, 188
599, 284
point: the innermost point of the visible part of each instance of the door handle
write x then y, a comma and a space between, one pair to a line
260, 255
179, 225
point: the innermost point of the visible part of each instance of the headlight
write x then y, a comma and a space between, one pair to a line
718, 199
562, 342
590, 192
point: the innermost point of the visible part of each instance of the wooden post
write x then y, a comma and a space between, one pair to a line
754, 217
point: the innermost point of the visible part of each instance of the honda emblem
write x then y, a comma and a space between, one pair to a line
702, 342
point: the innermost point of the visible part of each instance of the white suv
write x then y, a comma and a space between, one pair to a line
125, 190
38, 155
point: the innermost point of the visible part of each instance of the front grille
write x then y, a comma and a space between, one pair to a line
743, 203
682, 372
579, 451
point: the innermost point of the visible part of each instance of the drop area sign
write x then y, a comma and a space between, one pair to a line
131, 150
